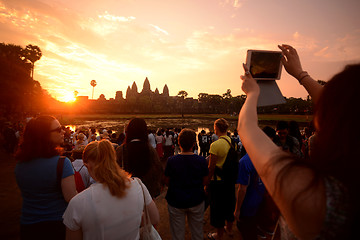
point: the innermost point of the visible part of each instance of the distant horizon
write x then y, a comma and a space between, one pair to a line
195, 46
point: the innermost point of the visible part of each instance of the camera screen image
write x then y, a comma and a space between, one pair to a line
265, 65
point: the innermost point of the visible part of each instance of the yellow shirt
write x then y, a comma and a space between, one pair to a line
220, 148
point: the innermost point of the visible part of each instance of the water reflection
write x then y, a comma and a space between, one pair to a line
118, 126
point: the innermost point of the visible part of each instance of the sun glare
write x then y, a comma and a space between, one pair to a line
68, 98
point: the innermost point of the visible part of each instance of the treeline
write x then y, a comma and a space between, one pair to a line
205, 104
19, 92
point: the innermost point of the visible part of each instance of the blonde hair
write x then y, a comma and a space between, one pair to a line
106, 170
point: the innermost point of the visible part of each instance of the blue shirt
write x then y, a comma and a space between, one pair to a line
255, 187
186, 174
42, 197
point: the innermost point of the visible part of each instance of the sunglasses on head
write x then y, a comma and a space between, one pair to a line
58, 129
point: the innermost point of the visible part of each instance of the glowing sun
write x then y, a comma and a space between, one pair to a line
69, 97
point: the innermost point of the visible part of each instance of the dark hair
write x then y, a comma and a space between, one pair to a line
138, 151
281, 125
77, 154
159, 132
121, 138
222, 125
269, 131
136, 129
36, 142
337, 137
187, 139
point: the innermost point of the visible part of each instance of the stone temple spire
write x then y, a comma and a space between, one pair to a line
134, 88
146, 86
166, 91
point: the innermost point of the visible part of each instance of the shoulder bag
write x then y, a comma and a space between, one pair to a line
147, 230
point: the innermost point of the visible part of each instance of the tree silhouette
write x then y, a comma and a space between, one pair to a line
183, 94
19, 92
32, 53
93, 83
227, 95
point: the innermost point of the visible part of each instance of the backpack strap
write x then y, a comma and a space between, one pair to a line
227, 141
75, 169
81, 168
59, 170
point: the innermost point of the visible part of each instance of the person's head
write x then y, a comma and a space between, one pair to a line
282, 130
42, 138
336, 122
77, 154
113, 136
187, 139
294, 130
236, 132
121, 138
100, 159
138, 151
159, 132
270, 132
221, 126
335, 153
81, 137
136, 129
105, 136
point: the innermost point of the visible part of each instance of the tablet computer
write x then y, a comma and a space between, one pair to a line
264, 65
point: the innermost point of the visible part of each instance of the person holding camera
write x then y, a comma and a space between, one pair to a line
317, 198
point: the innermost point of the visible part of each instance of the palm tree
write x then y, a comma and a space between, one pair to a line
183, 94
93, 84
32, 53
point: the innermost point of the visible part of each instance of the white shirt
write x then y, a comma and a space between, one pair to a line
103, 216
152, 140
168, 140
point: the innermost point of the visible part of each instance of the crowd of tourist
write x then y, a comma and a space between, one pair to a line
297, 182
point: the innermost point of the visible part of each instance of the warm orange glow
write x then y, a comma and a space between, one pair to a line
184, 45
69, 97
72, 127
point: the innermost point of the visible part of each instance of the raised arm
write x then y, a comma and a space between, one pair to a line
292, 64
305, 214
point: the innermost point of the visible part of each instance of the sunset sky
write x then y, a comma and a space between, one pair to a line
192, 45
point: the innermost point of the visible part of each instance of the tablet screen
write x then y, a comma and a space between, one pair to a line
265, 65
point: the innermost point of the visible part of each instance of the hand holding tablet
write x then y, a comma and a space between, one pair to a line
265, 67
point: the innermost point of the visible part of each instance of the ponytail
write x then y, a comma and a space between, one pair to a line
106, 170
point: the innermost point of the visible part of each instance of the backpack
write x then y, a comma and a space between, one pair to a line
80, 186
230, 168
